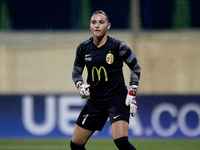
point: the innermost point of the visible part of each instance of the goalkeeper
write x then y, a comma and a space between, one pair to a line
105, 90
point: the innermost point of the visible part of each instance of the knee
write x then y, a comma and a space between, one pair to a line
76, 146
123, 144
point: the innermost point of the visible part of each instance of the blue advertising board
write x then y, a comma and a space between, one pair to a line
54, 116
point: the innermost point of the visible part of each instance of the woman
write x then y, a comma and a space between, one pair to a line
104, 56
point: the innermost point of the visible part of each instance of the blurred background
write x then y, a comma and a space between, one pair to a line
38, 41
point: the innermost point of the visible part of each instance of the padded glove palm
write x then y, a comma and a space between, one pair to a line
84, 90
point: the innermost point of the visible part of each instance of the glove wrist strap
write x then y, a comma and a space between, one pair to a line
78, 84
134, 87
132, 90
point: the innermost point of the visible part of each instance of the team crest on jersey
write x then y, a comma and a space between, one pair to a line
109, 58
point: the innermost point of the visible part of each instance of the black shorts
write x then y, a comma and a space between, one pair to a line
93, 117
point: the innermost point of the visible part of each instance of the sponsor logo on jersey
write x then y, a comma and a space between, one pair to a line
88, 57
99, 73
109, 58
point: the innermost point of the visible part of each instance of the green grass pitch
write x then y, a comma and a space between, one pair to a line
97, 144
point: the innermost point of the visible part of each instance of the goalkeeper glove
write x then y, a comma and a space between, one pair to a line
83, 90
131, 100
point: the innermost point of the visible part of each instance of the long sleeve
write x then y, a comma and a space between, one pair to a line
129, 58
78, 67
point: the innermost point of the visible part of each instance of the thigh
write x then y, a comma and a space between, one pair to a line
81, 135
119, 129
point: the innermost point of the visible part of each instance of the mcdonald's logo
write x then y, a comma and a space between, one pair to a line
99, 73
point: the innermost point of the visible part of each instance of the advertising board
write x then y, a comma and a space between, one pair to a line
54, 116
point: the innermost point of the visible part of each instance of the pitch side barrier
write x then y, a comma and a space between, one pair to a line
54, 116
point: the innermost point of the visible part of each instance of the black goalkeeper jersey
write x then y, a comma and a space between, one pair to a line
104, 68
